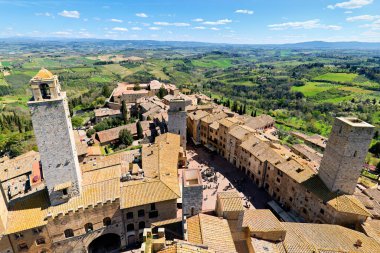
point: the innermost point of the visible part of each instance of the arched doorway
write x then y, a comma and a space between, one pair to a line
108, 243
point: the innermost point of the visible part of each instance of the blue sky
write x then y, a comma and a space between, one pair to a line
229, 21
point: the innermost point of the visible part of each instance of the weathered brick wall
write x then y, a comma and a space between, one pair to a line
29, 237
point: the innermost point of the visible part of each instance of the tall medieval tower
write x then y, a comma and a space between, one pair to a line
345, 152
55, 138
177, 119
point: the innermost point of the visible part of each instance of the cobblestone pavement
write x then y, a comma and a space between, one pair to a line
227, 175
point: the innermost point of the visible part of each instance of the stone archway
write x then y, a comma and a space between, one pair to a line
107, 243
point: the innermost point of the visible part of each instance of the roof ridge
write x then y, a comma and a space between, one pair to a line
365, 210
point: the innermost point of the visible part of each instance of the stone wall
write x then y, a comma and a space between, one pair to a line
56, 144
192, 197
29, 238
344, 156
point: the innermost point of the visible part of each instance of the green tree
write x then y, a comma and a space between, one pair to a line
378, 167
124, 112
90, 132
77, 121
106, 91
161, 92
125, 137
140, 132
255, 114
376, 135
375, 149
136, 87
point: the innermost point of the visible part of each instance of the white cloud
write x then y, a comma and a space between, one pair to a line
154, 28
373, 26
171, 24
136, 28
218, 22
198, 20
116, 20
309, 24
351, 4
249, 12
348, 12
120, 29
46, 14
141, 15
62, 33
214, 29
70, 14
363, 17
199, 28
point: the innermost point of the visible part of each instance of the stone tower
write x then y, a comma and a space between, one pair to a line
345, 152
192, 192
55, 138
177, 119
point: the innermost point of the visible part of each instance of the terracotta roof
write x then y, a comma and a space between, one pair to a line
296, 171
92, 194
185, 247
197, 115
259, 122
214, 125
250, 142
113, 133
28, 212
101, 112
261, 220
103, 174
94, 151
212, 117
160, 160
241, 132
325, 238
229, 122
138, 193
264, 152
44, 74
19, 165
211, 231
230, 201
340, 202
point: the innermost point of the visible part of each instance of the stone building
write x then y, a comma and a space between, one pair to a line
55, 138
194, 125
177, 119
205, 125
291, 180
115, 202
345, 153
192, 192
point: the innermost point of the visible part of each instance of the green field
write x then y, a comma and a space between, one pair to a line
311, 89
211, 63
348, 78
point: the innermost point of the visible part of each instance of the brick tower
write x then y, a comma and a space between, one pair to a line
55, 138
345, 152
177, 119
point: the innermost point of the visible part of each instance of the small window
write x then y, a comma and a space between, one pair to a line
356, 153
141, 213
129, 215
290, 199
19, 235
69, 233
130, 227
322, 211
23, 246
153, 214
141, 225
40, 241
37, 231
65, 192
153, 206
107, 221
88, 227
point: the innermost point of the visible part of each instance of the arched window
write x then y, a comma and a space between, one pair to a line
107, 221
130, 227
45, 91
88, 227
69, 233
141, 213
141, 225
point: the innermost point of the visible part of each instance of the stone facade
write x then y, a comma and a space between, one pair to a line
177, 119
192, 192
56, 144
345, 154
